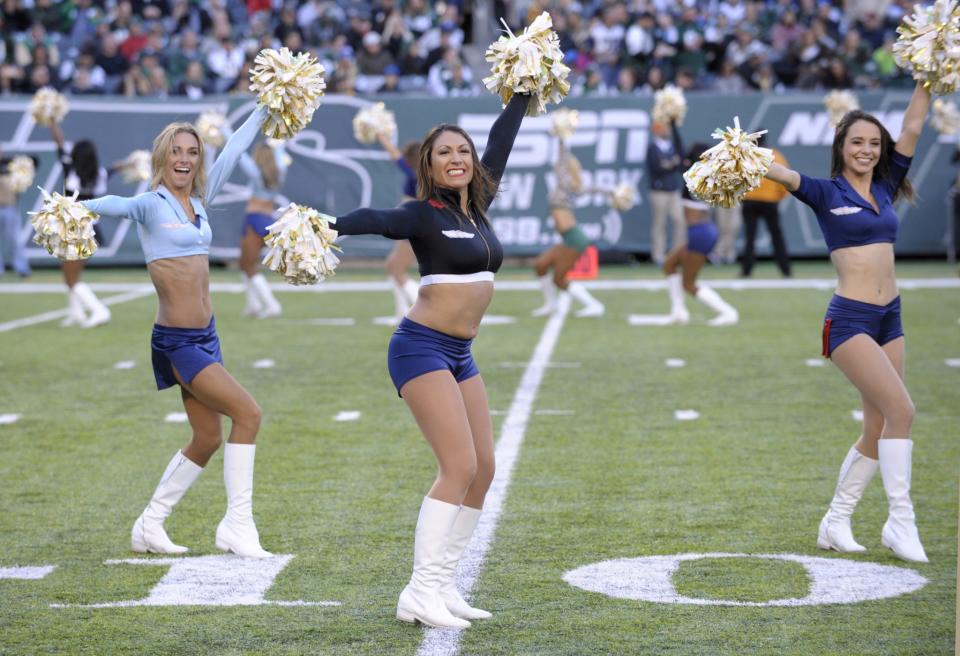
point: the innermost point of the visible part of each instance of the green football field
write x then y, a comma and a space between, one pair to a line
617, 528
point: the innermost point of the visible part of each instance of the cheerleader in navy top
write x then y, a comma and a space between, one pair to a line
429, 355
862, 333
172, 222
266, 171
401, 256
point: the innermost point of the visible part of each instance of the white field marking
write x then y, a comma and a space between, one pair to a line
266, 363
176, 418
506, 285
26, 573
333, 321
125, 364
832, 580
137, 291
554, 413
650, 320
497, 413
385, 321
10, 418
816, 362
447, 641
225, 580
549, 365
496, 320
857, 415
952, 362
686, 415
675, 363
347, 415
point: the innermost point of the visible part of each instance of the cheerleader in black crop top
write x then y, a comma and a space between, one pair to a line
429, 356
862, 333
691, 256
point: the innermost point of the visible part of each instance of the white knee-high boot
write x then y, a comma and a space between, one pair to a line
99, 313
460, 534
237, 532
591, 306
900, 533
678, 306
411, 289
549, 296
726, 314
420, 601
253, 306
855, 473
75, 314
271, 308
401, 302
148, 534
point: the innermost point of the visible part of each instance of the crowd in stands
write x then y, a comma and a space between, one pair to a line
162, 48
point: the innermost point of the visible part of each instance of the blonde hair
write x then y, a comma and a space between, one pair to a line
163, 146
266, 161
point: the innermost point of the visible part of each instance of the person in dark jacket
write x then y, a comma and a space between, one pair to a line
664, 170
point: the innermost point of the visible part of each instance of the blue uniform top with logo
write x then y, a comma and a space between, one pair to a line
847, 220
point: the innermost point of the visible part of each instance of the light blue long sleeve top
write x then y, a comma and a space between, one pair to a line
258, 188
164, 228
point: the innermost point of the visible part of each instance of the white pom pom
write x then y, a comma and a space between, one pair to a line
64, 227
372, 121
530, 63
623, 197
210, 126
137, 166
290, 87
929, 46
564, 122
48, 106
838, 103
669, 105
946, 117
726, 172
301, 245
21, 172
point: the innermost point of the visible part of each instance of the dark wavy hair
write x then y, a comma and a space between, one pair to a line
882, 170
481, 189
86, 164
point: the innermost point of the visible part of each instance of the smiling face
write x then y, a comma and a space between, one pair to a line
451, 161
862, 148
182, 162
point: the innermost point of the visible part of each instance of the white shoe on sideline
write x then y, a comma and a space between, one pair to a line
899, 533
148, 534
99, 313
856, 473
75, 314
237, 532
460, 535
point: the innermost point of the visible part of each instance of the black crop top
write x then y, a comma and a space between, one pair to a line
448, 247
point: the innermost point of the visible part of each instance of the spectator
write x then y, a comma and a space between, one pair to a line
729, 81
391, 80
135, 42
83, 76
414, 62
194, 84
607, 35
224, 61
373, 59
627, 82
15, 17
114, 64
186, 15
183, 49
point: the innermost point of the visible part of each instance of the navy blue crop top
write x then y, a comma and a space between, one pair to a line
846, 218
449, 248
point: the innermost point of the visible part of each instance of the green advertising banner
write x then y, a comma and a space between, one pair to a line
335, 174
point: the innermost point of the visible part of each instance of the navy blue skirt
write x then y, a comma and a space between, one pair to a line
846, 317
190, 350
416, 350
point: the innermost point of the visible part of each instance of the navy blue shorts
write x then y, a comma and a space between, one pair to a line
258, 222
190, 350
846, 318
416, 350
702, 237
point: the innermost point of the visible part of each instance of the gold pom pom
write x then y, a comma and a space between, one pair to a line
838, 103
946, 117
289, 86
623, 197
929, 46
372, 121
669, 105
564, 122
301, 245
48, 106
64, 227
726, 172
530, 63
210, 126
21, 172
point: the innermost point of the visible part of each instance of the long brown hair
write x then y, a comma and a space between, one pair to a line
163, 145
481, 189
266, 161
882, 169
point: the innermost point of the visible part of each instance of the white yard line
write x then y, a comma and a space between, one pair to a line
135, 292
447, 641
